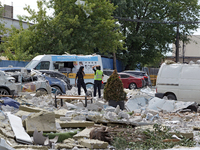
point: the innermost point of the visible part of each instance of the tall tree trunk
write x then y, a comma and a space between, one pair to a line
114, 61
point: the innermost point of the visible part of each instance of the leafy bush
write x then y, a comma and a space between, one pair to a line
114, 89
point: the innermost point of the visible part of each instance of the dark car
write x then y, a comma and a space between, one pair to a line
107, 72
139, 73
130, 81
56, 74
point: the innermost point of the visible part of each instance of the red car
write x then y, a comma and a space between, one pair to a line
130, 81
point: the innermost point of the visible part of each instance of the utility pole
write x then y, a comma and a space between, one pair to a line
114, 61
177, 44
183, 51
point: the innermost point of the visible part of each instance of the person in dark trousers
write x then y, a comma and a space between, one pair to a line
80, 74
98, 76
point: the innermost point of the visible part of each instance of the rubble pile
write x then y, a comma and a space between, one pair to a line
37, 124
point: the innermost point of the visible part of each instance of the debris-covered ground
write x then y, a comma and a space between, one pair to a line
31, 121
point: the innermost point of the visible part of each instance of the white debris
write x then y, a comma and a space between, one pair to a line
123, 115
117, 109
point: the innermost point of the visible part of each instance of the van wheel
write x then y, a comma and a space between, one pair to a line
132, 86
171, 97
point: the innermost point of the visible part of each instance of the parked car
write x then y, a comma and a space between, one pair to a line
107, 72
140, 74
14, 82
56, 74
56, 83
130, 81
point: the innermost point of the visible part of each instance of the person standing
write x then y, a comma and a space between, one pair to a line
98, 76
80, 74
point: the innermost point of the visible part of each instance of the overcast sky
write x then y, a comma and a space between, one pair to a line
18, 6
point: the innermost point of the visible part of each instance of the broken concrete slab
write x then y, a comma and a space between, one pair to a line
4, 145
83, 134
30, 109
72, 142
6, 132
21, 113
136, 103
42, 121
75, 124
61, 146
60, 113
20, 134
30, 147
94, 144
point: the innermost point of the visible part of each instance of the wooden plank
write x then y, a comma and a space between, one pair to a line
75, 98
75, 124
8, 96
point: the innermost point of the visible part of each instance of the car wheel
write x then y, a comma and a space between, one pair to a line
3, 91
43, 91
90, 89
57, 88
171, 97
89, 86
132, 86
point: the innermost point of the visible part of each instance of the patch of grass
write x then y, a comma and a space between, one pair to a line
146, 139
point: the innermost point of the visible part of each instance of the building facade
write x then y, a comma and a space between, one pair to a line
8, 19
189, 51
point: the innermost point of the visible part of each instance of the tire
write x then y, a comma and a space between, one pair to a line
132, 86
42, 91
57, 88
171, 97
90, 89
3, 91
89, 86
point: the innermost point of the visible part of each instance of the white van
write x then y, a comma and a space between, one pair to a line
67, 64
179, 82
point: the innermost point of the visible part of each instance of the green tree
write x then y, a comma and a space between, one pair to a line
145, 42
17, 45
74, 28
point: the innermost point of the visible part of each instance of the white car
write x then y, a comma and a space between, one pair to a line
14, 82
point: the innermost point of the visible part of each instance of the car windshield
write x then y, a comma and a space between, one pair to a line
32, 64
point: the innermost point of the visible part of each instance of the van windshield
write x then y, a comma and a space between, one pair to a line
32, 64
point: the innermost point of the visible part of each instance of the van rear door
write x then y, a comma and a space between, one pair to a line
190, 83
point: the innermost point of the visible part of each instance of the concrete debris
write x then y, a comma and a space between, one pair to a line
4, 145
42, 121
38, 137
30, 147
60, 113
117, 109
94, 144
30, 109
75, 124
20, 134
58, 128
83, 134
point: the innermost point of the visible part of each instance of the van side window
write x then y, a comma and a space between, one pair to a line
44, 65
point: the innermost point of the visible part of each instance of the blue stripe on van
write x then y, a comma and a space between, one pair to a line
63, 58
87, 58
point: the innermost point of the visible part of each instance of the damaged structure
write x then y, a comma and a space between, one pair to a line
33, 122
